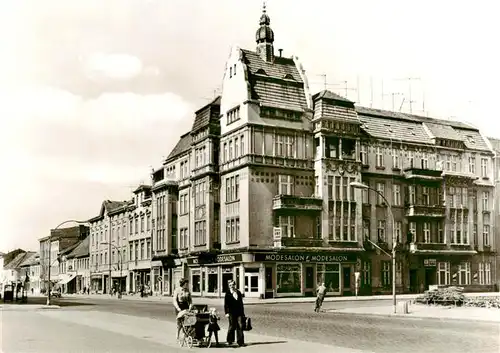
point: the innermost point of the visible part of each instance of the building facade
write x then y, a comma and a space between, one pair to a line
139, 241
57, 242
74, 268
495, 144
108, 243
260, 191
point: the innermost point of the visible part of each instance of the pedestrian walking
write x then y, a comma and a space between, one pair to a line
235, 312
320, 296
182, 301
213, 325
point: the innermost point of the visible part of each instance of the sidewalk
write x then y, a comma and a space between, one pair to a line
163, 332
422, 311
26, 307
255, 301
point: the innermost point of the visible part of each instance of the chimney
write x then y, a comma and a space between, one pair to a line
281, 52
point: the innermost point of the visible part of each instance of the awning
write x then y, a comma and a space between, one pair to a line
66, 278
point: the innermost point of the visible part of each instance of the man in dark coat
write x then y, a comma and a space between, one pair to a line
235, 312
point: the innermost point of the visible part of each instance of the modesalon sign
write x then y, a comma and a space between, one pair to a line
306, 257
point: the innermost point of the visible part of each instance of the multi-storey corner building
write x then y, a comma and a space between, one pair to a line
260, 191
58, 241
108, 243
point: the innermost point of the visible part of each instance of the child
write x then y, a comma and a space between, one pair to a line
213, 326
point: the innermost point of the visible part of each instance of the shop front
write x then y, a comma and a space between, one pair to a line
209, 275
288, 274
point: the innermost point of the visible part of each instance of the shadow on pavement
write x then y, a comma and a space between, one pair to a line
262, 343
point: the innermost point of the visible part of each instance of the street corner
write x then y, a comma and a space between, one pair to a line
27, 307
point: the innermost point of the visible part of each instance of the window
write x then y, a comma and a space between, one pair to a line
212, 279
233, 230
484, 167
425, 196
233, 115
395, 159
183, 204
379, 158
365, 196
441, 238
366, 229
366, 274
443, 273
329, 274
381, 193
242, 145
386, 274
399, 277
427, 232
225, 159
410, 159
472, 165
364, 154
233, 188
196, 281
398, 230
413, 230
183, 238
284, 146
381, 231
236, 148
285, 185
200, 233
287, 225
486, 201
330, 187
464, 277
200, 189
411, 192
230, 150
486, 235
289, 278
424, 161
484, 273
396, 194
316, 186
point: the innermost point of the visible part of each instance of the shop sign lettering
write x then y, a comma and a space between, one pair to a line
223, 258
305, 257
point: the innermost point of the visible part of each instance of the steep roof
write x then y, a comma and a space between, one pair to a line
412, 128
69, 249
330, 105
30, 259
142, 187
276, 84
80, 250
182, 146
207, 114
326, 94
16, 262
11, 255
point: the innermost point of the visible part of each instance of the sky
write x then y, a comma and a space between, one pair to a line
95, 93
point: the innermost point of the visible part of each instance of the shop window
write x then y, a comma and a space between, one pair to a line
289, 278
212, 280
196, 281
329, 274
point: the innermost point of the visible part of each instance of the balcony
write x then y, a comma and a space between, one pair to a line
440, 248
423, 174
299, 203
302, 242
428, 211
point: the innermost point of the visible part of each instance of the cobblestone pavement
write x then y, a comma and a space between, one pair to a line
350, 331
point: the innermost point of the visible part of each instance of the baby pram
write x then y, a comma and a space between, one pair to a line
194, 322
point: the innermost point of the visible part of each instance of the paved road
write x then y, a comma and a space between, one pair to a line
297, 321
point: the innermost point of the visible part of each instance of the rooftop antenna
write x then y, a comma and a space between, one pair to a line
382, 94
357, 85
401, 106
324, 81
371, 92
347, 88
410, 79
393, 95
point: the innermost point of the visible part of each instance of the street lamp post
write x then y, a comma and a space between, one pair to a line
362, 186
50, 244
120, 263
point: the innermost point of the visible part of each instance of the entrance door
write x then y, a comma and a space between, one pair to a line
251, 284
430, 277
413, 281
309, 282
226, 277
269, 293
346, 279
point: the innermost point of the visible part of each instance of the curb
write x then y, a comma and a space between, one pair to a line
28, 307
414, 317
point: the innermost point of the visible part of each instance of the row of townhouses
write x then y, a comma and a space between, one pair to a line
281, 189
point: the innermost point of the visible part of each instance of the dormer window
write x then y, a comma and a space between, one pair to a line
261, 72
289, 77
